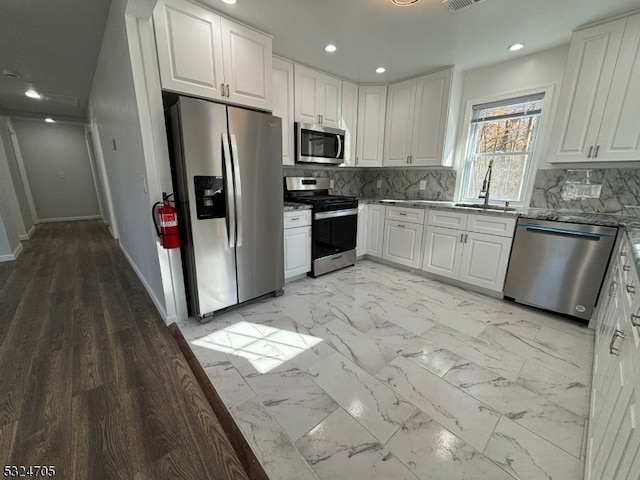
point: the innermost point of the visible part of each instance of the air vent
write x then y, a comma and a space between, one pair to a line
62, 100
457, 5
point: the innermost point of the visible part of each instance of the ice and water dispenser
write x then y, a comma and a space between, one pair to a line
210, 198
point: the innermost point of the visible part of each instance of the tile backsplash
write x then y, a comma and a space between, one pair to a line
620, 191
395, 183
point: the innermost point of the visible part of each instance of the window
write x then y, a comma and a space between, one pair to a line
505, 132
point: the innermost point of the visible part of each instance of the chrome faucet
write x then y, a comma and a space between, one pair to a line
486, 185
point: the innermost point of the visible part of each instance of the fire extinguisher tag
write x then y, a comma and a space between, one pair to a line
168, 221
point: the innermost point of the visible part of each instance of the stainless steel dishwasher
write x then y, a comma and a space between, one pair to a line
558, 266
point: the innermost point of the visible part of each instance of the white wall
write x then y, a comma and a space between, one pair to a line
58, 169
11, 223
523, 75
113, 109
12, 161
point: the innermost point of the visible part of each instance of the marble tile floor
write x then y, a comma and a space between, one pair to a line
377, 373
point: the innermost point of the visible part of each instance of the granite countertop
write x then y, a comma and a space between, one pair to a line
441, 205
291, 206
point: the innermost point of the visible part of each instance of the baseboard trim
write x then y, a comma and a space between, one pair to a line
69, 219
12, 256
161, 310
29, 233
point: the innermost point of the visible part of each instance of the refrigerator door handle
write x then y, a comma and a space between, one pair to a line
238, 187
231, 206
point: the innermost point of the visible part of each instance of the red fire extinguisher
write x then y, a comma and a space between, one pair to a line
168, 225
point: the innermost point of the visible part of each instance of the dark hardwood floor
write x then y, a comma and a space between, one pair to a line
91, 380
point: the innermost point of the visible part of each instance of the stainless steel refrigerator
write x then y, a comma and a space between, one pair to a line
227, 165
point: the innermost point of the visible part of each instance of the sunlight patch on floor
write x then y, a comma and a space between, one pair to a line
265, 347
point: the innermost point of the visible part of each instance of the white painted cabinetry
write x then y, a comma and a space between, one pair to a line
201, 53
467, 247
597, 118
283, 105
349, 121
318, 97
375, 229
372, 105
613, 448
418, 122
297, 243
361, 239
403, 235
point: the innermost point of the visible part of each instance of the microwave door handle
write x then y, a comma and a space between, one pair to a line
231, 205
236, 174
339, 146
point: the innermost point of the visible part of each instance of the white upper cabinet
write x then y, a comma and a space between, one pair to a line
247, 65
419, 123
399, 123
349, 121
597, 116
203, 54
372, 105
318, 97
282, 74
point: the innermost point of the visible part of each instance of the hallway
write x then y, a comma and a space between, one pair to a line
91, 381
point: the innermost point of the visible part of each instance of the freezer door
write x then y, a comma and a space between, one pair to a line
209, 252
256, 145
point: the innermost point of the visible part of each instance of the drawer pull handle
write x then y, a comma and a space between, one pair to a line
623, 253
402, 213
295, 218
626, 268
462, 238
612, 288
634, 319
615, 350
631, 288
401, 226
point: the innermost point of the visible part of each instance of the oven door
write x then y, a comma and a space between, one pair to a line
334, 232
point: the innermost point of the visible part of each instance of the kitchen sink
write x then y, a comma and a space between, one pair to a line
485, 207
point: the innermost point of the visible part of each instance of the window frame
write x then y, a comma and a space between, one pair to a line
540, 145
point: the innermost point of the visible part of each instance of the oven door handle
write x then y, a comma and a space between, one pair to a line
335, 214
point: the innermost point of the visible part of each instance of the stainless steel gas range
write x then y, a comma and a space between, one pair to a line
334, 225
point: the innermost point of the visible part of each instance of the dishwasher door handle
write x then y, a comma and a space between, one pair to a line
562, 231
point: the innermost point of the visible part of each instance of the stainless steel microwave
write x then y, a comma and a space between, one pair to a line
318, 144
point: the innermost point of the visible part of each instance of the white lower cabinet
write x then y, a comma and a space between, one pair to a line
402, 241
613, 448
297, 243
375, 229
467, 252
361, 238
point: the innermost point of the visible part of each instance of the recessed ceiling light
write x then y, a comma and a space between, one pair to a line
33, 94
230, 2
516, 46
49, 120
330, 48
404, 3
381, 70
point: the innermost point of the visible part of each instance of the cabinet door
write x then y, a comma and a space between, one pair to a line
247, 66
189, 45
399, 123
484, 260
402, 242
443, 251
375, 229
372, 105
282, 74
583, 96
361, 239
349, 121
306, 90
297, 251
430, 118
619, 137
329, 101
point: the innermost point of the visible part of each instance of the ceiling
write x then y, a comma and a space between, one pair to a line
53, 45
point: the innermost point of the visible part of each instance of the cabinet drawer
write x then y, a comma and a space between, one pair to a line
403, 214
502, 226
297, 218
446, 219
